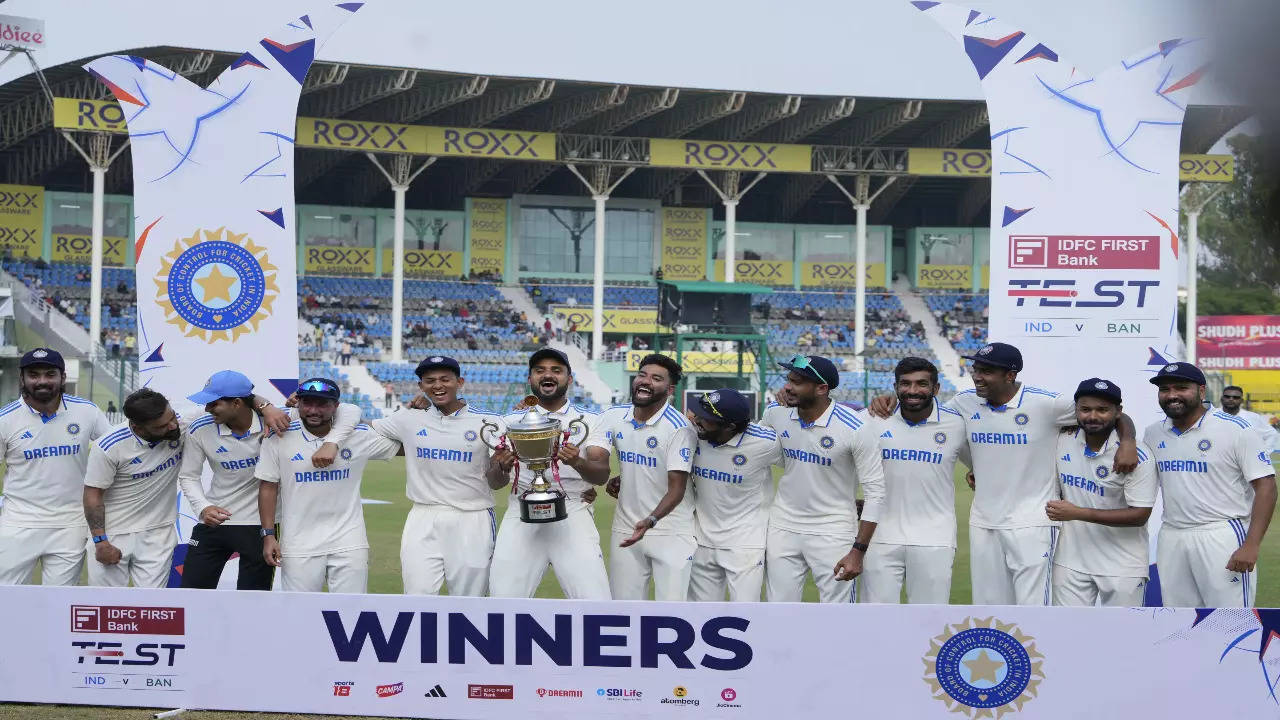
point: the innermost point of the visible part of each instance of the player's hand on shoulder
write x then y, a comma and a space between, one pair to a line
613, 486
1068, 429
1126, 457
882, 406
419, 402
275, 418
106, 553
291, 401
325, 456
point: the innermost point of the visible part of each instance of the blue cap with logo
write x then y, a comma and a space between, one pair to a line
1179, 371
436, 362
223, 384
1099, 388
43, 356
724, 406
815, 367
998, 354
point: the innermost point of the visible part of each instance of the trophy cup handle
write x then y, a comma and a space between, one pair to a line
586, 430
492, 428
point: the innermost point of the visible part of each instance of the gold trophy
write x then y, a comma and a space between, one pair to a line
536, 438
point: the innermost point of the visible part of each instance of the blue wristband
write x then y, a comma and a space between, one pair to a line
99, 538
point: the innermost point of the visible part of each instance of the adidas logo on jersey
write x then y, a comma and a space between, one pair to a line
297, 457
423, 433
887, 434
1161, 445
27, 435
222, 449
136, 461
976, 416
786, 434
1235, 578
1066, 458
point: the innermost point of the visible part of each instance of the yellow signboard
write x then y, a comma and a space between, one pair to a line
362, 136
696, 361
718, 155
79, 249
487, 233
684, 243
986, 277
955, 277
22, 220
761, 272
839, 274
425, 263
961, 162
491, 143
616, 320
90, 115
329, 260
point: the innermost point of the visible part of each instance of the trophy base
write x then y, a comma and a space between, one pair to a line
542, 507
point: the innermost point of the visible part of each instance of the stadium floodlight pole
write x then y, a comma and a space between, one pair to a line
730, 195
600, 188
1193, 251
861, 198
400, 176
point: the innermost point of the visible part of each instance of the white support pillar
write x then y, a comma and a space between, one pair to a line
400, 176
1195, 206
861, 198
730, 194
600, 187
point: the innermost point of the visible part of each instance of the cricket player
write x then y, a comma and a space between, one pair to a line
828, 453
228, 439
732, 489
45, 437
449, 534
653, 534
572, 545
1233, 404
1219, 492
1102, 550
322, 538
1012, 429
915, 539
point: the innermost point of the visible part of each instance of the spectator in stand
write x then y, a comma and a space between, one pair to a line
346, 352
130, 345
571, 301
111, 410
389, 394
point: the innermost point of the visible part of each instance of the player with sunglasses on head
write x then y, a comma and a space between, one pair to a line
829, 452
732, 489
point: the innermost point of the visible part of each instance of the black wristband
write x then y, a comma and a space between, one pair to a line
860, 547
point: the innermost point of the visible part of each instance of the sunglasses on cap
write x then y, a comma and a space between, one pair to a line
318, 386
801, 362
711, 406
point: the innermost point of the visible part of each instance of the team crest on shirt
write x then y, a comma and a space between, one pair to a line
216, 285
1204, 445
1263, 456
1021, 418
684, 453
940, 437
346, 454
470, 435
651, 442
739, 459
983, 668
1102, 472
73, 429
173, 444
827, 442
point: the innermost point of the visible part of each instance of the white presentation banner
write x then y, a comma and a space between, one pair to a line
464, 658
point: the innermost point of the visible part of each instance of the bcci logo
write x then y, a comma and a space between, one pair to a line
651, 442
470, 435
1021, 418
1204, 445
940, 438
346, 454
827, 442
739, 460
216, 288
981, 666
73, 429
1102, 472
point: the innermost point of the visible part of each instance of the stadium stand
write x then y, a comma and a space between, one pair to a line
962, 317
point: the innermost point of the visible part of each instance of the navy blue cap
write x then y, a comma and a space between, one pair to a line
548, 353
815, 367
323, 388
1179, 371
725, 406
43, 356
438, 361
223, 384
998, 354
1097, 387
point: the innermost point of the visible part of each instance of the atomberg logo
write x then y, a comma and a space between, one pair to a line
600, 640
1065, 294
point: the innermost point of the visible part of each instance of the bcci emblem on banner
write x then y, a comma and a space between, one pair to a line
216, 288
983, 668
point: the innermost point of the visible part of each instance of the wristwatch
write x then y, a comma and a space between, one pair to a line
267, 531
99, 538
652, 521
860, 547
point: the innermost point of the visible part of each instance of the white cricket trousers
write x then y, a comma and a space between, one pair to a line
790, 555
666, 559
146, 557
60, 552
571, 546
925, 568
1076, 589
740, 571
1012, 566
1193, 566
346, 571
442, 545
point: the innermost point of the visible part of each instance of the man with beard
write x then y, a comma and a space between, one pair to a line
1233, 404
130, 492
653, 524
449, 534
1219, 492
572, 545
828, 453
1103, 551
45, 438
229, 439
733, 486
321, 519
915, 539
1011, 429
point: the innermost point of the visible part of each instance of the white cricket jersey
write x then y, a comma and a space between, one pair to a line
570, 480
1012, 447
444, 454
1265, 432
140, 478
733, 488
45, 460
1087, 481
320, 511
825, 463
1206, 472
233, 460
647, 451
919, 462
774, 414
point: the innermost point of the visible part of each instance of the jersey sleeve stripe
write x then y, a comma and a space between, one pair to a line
1142, 457
362, 426
853, 423
78, 401
673, 417
199, 423
1232, 418
115, 437
946, 409
762, 431
847, 417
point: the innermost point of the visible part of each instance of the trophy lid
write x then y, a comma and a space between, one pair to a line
534, 418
